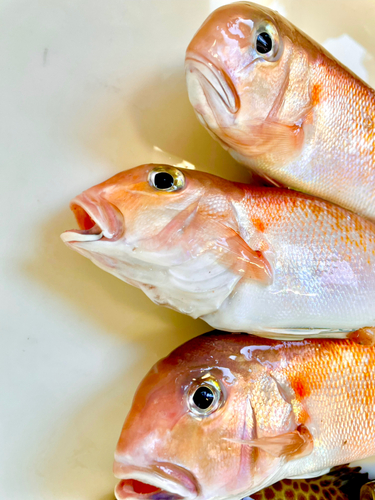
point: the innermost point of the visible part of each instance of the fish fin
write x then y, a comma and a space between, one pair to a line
230, 248
287, 139
291, 445
261, 179
267, 181
310, 475
282, 141
242, 260
364, 336
195, 235
302, 333
295, 444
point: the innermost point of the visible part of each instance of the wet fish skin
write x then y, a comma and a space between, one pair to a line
296, 115
286, 409
242, 258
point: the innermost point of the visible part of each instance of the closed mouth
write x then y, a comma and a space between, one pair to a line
212, 78
97, 219
160, 482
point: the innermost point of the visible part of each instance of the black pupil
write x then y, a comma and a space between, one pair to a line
264, 43
163, 180
203, 398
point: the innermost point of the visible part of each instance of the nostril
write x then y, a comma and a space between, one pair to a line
82, 217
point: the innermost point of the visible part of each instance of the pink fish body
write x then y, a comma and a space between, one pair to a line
242, 258
283, 106
225, 415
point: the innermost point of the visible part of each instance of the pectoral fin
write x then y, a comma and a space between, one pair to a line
195, 234
291, 445
243, 260
304, 333
363, 336
295, 444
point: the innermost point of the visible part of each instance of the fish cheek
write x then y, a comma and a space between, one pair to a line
272, 121
201, 444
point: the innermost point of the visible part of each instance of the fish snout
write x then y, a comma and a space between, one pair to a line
97, 219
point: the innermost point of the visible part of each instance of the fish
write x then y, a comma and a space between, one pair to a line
341, 483
224, 416
283, 106
242, 258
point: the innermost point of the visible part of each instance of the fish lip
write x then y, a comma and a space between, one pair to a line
170, 478
216, 78
109, 222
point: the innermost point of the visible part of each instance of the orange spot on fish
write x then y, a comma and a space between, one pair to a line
259, 225
316, 93
300, 387
302, 415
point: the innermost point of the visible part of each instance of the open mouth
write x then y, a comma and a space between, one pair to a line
161, 482
97, 219
131, 488
212, 78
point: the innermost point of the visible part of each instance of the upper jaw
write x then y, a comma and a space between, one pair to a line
216, 82
97, 219
171, 482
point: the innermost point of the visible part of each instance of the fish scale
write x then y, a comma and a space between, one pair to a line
326, 399
338, 163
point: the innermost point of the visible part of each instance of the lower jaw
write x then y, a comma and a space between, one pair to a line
126, 489
208, 105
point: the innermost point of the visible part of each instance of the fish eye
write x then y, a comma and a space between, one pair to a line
204, 397
264, 43
166, 178
267, 43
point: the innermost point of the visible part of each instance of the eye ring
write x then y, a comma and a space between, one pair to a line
166, 178
267, 37
206, 391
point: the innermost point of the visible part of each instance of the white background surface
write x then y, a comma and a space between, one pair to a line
87, 89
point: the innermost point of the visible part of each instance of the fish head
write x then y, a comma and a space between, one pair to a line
189, 430
136, 212
171, 232
135, 204
246, 71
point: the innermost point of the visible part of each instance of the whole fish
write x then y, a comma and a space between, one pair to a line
240, 257
341, 483
283, 106
225, 416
